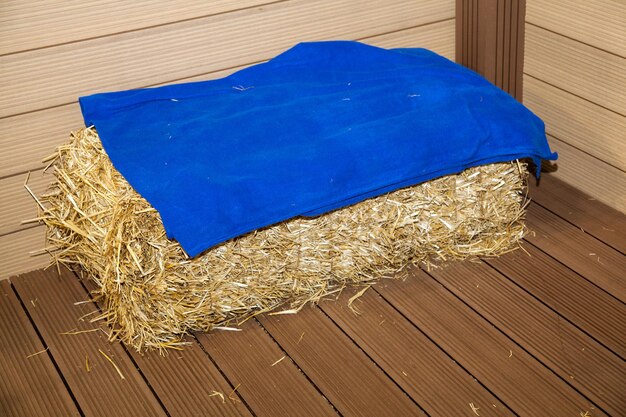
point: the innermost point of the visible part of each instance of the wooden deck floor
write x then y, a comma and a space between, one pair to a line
541, 333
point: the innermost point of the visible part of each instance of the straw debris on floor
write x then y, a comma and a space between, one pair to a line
153, 293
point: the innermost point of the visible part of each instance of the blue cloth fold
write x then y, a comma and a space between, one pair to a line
321, 126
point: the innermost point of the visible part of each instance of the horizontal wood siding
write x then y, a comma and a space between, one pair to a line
26, 25
18, 206
583, 70
599, 23
588, 173
575, 79
587, 126
16, 251
52, 52
55, 76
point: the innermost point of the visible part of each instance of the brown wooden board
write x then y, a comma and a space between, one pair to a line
500, 34
515, 41
186, 381
248, 359
93, 380
340, 370
490, 40
578, 359
597, 219
189, 384
474, 28
599, 263
513, 375
519, 57
487, 39
564, 291
29, 383
415, 363
459, 57
506, 44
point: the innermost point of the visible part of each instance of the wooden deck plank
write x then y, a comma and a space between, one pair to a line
574, 298
340, 370
186, 381
441, 336
599, 263
417, 365
30, 385
574, 356
601, 221
520, 381
99, 390
246, 358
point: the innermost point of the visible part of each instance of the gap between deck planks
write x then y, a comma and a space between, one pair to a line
233, 348
583, 211
509, 346
577, 358
408, 356
577, 300
588, 256
186, 381
99, 389
351, 381
514, 376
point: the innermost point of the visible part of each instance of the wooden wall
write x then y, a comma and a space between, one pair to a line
490, 40
53, 51
575, 80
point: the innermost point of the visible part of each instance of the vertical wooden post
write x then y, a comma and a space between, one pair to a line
490, 40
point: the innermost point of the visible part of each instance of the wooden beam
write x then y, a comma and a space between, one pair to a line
490, 40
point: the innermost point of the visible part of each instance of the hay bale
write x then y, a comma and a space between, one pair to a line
153, 293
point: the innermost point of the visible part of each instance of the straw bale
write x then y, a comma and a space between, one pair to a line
153, 293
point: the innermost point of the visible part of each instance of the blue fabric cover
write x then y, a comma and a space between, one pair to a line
321, 126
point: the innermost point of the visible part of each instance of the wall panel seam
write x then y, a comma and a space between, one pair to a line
46, 78
599, 160
176, 80
574, 94
575, 39
139, 29
440, 32
23, 229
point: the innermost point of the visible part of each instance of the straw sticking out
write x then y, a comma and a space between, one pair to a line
117, 369
154, 294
